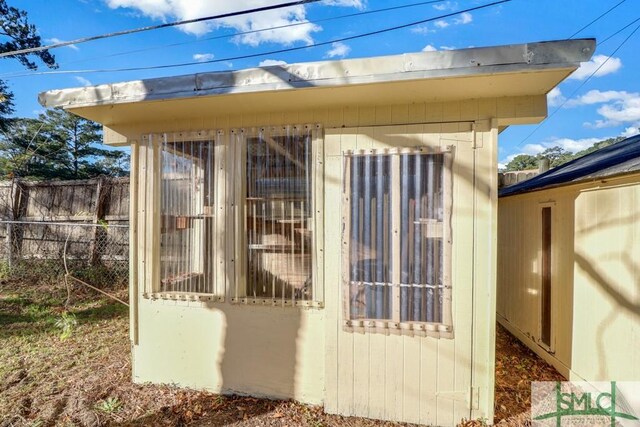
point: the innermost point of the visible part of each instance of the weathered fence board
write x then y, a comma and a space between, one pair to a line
85, 221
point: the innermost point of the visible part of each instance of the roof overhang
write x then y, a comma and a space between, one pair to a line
513, 70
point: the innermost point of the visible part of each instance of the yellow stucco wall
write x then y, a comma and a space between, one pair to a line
595, 278
304, 353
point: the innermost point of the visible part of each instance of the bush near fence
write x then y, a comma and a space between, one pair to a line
83, 223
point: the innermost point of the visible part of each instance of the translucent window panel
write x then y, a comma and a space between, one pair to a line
278, 215
370, 237
421, 234
187, 192
397, 234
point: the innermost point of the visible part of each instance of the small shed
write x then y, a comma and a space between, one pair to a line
568, 264
325, 231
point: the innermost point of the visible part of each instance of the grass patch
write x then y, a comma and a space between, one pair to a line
85, 379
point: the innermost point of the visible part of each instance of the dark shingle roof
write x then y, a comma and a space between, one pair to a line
616, 159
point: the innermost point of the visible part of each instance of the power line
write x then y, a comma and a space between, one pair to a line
619, 31
578, 88
273, 52
155, 27
243, 33
595, 20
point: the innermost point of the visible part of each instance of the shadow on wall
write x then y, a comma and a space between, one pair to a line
272, 351
604, 259
260, 351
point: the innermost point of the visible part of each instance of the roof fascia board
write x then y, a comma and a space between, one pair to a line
531, 57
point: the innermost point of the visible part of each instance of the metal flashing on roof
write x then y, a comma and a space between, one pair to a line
617, 159
527, 57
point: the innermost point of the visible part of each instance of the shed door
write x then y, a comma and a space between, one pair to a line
397, 357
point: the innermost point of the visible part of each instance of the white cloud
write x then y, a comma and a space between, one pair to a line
432, 48
623, 111
169, 10
358, 4
533, 149
600, 97
618, 107
271, 63
631, 131
573, 145
203, 57
448, 5
465, 18
83, 81
587, 68
555, 97
507, 159
568, 144
54, 40
338, 50
422, 29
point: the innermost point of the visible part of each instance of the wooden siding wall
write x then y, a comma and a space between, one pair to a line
594, 328
281, 352
508, 110
519, 266
413, 379
606, 323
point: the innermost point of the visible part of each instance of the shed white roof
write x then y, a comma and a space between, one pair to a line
563, 56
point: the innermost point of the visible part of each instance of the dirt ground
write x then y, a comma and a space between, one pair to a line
72, 368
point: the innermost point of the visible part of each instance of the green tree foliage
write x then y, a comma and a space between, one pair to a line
17, 33
6, 106
556, 155
522, 162
57, 145
599, 145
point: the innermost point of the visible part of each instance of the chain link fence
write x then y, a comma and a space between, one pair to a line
42, 252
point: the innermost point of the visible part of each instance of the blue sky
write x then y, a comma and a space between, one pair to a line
608, 105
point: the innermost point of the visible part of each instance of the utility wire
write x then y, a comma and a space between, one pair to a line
596, 19
578, 88
619, 31
244, 33
155, 27
254, 55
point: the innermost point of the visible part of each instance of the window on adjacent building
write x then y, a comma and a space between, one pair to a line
397, 239
277, 252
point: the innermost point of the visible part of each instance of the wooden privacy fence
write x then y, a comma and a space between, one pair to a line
83, 223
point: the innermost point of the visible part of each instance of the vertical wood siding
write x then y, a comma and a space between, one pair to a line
594, 274
606, 323
409, 378
304, 353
